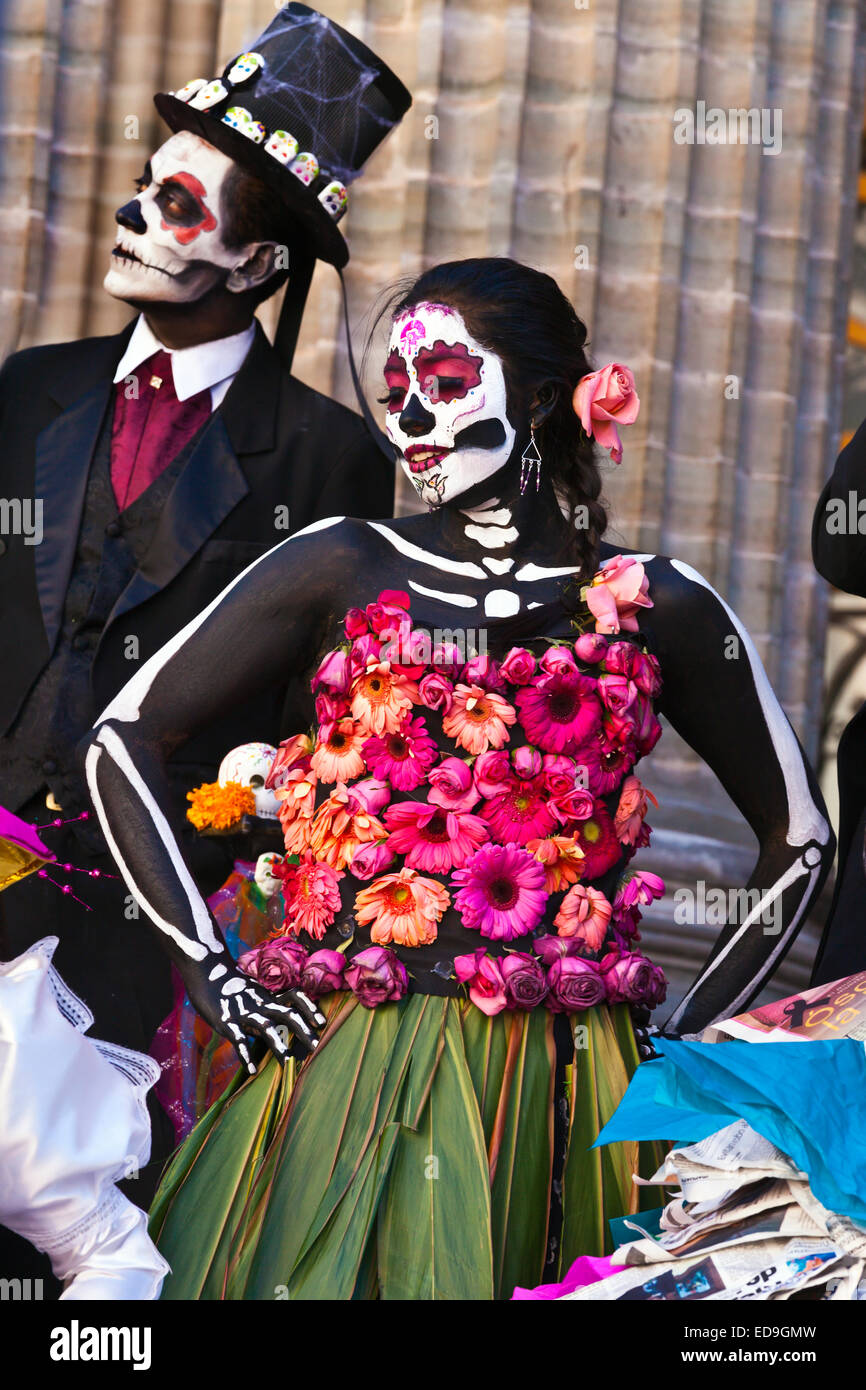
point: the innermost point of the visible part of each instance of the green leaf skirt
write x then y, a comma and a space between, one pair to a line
411, 1157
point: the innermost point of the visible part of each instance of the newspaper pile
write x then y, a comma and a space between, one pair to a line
744, 1226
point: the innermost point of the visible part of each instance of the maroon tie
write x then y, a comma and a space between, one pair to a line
151, 426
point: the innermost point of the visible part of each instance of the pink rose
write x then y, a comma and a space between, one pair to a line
376, 976
628, 977
524, 979
616, 693
388, 611
575, 804
518, 666
371, 859
621, 659
484, 671
553, 948
492, 772
276, 965
483, 975
647, 729
647, 674
436, 691
526, 761
330, 709
355, 623
574, 984
604, 399
373, 794
591, 647
334, 673
451, 785
617, 593
364, 649
558, 660
323, 973
447, 658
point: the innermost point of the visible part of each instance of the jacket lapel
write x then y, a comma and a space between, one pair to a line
212, 482
64, 452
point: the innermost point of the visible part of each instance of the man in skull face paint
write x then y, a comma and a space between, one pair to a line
168, 458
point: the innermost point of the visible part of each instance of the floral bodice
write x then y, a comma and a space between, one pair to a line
457, 820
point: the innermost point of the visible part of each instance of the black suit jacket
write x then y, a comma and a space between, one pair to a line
273, 443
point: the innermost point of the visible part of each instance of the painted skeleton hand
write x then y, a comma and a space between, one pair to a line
238, 1008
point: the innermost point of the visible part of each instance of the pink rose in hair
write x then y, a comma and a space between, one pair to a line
603, 400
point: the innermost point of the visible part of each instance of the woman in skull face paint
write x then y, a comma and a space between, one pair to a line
461, 834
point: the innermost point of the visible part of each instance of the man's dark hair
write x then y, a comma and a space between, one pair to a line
252, 212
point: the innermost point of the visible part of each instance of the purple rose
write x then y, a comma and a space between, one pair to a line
657, 989
558, 661
279, 964
552, 948
451, 785
591, 647
371, 859
447, 658
518, 666
647, 728
574, 984
323, 973
436, 691
376, 976
483, 670
333, 673
525, 980
628, 978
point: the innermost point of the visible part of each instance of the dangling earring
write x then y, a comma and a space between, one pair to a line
529, 459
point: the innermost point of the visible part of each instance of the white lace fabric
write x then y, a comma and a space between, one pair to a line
73, 1122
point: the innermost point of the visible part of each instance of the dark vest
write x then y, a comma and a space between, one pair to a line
38, 753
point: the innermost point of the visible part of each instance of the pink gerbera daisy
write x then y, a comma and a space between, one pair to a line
502, 892
478, 718
403, 907
431, 837
403, 758
596, 836
559, 712
311, 895
521, 813
339, 752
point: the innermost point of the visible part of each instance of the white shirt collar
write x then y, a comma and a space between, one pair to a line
212, 365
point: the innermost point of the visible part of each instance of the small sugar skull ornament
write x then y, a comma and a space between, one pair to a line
305, 167
243, 67
282, 146
250, 764
334, 198
239, 118
190, 89
209, 95
266, 880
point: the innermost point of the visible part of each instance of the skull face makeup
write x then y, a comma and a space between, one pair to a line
446, 404
170, 239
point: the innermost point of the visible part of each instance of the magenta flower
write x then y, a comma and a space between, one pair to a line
553, 948
525, 980
333, 673
371, 859
330, 709
559, 712
518, 666
311, 894
403, 758
616, 693
647, 674
574, 984
492, 772
323, 973
647, 729
484, 671
356, 624
519, 813
591, 647
502, 892
276, 965
436, 691
483, 976
451, 785
526, 761
432, 839
365, 649
558, 661
641, 887
376, 976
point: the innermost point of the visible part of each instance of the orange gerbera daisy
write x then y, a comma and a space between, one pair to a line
340, 826
338, 756
380, 699
478, 719
297, 798
562, 858
403, 907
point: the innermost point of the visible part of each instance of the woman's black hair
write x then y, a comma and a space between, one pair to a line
523, 316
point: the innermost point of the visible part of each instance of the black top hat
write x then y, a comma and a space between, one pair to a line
303, 110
